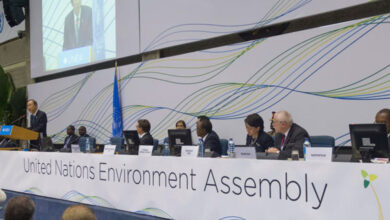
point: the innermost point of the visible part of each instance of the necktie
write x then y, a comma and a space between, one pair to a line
282, 146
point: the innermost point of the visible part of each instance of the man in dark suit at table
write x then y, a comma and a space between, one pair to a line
78, 26
289, 136
38, 122
383, 116
72, 138
143, 129
204, 129
83, 131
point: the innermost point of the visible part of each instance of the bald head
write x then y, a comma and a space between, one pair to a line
383, 117
78, 212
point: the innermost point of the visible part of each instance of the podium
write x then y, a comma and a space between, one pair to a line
18, 133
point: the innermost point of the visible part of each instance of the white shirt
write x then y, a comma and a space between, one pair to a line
204, 138
141, 135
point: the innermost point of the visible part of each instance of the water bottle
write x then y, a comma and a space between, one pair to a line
231, 151
87, 146
166, 149
201, 147
306, 144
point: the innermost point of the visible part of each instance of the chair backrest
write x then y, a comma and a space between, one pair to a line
155, 144
118, 141
224, 146
322, 141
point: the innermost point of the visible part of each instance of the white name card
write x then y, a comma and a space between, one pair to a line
319, 154
75, 148
145, 150
245, 152
189, 151
109, 149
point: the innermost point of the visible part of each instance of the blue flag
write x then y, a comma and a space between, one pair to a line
117, 125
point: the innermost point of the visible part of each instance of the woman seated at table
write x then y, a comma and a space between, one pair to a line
256, 136
180, 124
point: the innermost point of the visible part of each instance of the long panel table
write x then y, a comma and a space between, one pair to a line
204, 188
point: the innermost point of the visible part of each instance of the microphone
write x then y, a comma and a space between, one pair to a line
20, 118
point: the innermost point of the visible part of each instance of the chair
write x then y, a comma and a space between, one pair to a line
155, 144
322, 141
224, 146
118, 141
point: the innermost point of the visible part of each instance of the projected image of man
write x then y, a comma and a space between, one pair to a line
78, 26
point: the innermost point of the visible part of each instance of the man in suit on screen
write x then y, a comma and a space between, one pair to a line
289, 136
78, 26
38, 122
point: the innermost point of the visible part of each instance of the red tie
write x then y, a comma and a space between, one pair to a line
282, 146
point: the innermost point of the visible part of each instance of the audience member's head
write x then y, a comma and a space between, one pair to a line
32, 106
19, 208
254, 124
383, 116
181, 124
78, 212
143, 126
203, 127
282, 121
70, 130
82, 131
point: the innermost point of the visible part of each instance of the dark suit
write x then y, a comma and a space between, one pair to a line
262, 143
213, 143
38, 123
69, 140
85, 31
294, 140
147, 139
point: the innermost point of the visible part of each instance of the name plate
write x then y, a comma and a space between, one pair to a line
319, 154
75, 148
145, 150
189, 151
245, 152
109, 149
6, 130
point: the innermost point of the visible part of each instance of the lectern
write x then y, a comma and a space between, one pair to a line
18, 133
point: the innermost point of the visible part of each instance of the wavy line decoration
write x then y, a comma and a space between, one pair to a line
154, 212
96, 117
272, 82
76, 196
33, 190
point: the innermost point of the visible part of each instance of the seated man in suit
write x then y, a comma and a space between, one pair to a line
383, 116
83, 131
256, 137
38, 122
204, 129
143, 129
72, 138
289, 136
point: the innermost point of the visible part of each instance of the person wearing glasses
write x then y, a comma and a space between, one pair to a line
256, 137
289, 136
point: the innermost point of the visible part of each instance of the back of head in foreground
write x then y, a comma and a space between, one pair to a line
78, 212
